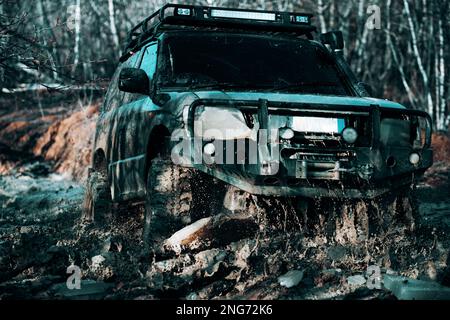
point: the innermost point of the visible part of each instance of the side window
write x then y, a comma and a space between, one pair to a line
146, 60
148, 63
132, 61
114, 97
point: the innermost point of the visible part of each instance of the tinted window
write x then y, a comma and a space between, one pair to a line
291, 65
114, 96
149, 60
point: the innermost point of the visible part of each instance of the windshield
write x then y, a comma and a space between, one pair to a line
229, 61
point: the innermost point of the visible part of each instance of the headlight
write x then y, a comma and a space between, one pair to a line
350, 135
220, 123
286, 133
414, 158
209, 149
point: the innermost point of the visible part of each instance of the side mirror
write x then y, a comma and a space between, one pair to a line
334, 39
134, 81
367, 87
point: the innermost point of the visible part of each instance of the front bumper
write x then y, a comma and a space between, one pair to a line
350, 172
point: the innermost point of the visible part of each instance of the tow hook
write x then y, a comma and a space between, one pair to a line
365, 171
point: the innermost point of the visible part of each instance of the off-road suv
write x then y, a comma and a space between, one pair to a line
250, 99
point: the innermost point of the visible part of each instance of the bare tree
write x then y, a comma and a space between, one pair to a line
405, 60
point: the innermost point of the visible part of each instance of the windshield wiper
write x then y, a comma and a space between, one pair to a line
265, 87
225, 85
299, 85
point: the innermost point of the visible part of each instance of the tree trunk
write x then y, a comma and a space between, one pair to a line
321, 9
112, 24
442, 105
397, 62
418, 57
76, 49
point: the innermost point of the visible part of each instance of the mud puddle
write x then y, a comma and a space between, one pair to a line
41, 236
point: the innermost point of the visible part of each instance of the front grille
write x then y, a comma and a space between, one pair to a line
318, 140
317, 170
298, 154
362, 125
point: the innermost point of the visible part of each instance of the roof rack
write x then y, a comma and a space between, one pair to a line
174, 14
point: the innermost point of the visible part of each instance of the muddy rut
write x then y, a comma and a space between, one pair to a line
41, 235
252, 247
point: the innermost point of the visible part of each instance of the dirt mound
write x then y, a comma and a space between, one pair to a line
441, 147
57, 127
68, 143
52, 131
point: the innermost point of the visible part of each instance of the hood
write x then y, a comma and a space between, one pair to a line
299, 98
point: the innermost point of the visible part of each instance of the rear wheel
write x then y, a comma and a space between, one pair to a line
97, 198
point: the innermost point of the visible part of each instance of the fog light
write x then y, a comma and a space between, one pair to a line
350, 135
414, 158
286, 133
209, 149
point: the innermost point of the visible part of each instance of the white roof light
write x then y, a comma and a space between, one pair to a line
183, 11
216, 13
302, 19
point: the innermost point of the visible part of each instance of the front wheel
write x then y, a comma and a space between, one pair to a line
169, 200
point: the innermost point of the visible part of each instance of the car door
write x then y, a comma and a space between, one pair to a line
130, 118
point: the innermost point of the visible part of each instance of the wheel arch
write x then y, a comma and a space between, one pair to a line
99, 162
157, 143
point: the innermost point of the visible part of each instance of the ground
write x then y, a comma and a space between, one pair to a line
41, 234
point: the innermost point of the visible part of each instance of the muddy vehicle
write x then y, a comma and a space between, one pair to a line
250, 99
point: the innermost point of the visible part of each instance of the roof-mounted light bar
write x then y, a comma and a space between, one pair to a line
204, 13
174, 14
236, 14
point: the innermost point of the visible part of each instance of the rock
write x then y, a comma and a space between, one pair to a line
209, 232
25, 229
106, 246
187, 236
291, 278
183, 270
431, 270
192, 296
391, 272
410, 289
97, 262
334, 272
235, 200
242, 251
327, 276
209, 261
336, 253
357, 281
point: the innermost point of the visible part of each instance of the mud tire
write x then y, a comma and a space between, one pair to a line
354, 221
405, 206
169, 201
97, 198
